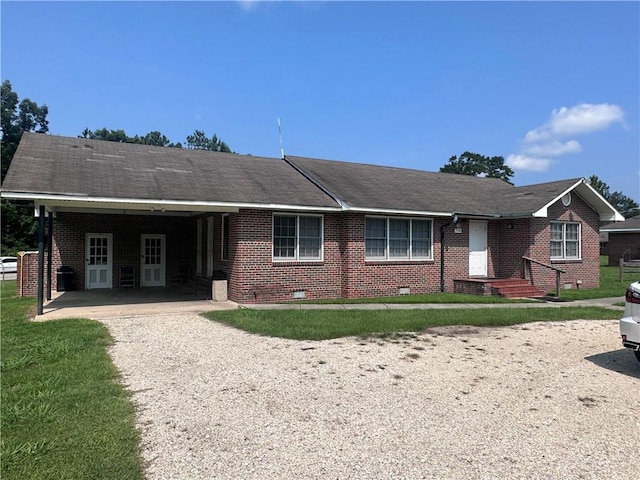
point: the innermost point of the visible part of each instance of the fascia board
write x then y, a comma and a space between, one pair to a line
154, 204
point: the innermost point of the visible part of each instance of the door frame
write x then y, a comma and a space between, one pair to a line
109, 264
163, 259
483, 253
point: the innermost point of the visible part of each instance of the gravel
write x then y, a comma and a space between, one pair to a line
543, 400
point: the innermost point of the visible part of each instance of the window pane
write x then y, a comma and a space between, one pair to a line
556, 231
375, 248
572, 249
375, 237
376, 228
284, 236
572, 231
421, 238
398, 238
310, 227
556, 249
310, 237
399, 229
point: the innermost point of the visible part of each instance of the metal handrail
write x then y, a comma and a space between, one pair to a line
527, 271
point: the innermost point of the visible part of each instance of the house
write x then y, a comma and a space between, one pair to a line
282, 229
623, 240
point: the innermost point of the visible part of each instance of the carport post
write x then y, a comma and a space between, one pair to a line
40, 302
49, 248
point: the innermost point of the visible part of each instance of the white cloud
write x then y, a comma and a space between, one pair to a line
582, 118
553, 149
523, 162
247, 5
547, 140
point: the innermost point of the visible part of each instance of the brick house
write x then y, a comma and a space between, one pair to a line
623, 240
282, 229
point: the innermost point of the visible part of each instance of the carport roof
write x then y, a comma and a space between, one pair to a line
78, 168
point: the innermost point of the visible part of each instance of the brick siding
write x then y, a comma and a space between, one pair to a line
254, 276
623, 244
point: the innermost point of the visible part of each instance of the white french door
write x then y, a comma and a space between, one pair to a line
152, 261
477, 249
99, 250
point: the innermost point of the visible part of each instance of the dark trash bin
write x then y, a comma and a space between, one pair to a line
65, 279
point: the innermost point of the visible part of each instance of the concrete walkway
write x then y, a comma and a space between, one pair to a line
598, 302
110, 303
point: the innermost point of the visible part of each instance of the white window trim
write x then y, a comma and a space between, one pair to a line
297, 252
411, 257
564, 241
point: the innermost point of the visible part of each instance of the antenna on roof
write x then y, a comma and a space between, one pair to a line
280, 133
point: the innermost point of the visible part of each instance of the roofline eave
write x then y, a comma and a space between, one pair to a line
52, 200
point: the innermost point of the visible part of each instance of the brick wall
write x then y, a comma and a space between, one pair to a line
254, 276
587, 269
625, 244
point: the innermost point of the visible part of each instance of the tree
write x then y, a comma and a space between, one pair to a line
474, 164
199, 141
19, 227
627, 206
16, 118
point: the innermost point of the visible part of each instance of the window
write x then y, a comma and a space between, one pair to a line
398, 239
297, 237
565, 241
225, 237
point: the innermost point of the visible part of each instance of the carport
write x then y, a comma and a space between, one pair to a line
116, 302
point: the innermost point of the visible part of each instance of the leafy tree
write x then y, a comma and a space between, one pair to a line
627, 206
474, 164
16, 118
200, 141
19, 227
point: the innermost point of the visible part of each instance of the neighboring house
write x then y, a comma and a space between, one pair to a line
280, 229
624, 240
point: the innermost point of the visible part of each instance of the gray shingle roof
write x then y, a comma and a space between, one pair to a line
387, 188
92, 168
630, 225
101, 171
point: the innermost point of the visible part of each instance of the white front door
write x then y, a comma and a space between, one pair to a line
152, 263
99, 269
477, 249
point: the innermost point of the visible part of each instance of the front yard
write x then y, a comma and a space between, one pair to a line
64, 413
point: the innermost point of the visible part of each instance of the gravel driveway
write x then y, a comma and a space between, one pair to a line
544, 400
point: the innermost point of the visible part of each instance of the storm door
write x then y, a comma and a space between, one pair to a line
152, 262
99, 248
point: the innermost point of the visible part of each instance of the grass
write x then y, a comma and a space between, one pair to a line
422, 298
610, 286
327, 324
64, 413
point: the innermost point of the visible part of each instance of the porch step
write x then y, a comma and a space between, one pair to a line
515, 288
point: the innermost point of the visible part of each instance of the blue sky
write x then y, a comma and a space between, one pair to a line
552, 87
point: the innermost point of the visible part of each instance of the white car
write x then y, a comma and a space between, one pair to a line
8, 264
630, 323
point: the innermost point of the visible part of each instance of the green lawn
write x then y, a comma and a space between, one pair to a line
610, 286
326, 324
64, 413
422, 298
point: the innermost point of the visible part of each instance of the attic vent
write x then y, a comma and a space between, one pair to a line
566, 199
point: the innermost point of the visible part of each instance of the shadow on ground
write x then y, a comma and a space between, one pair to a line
620, 361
